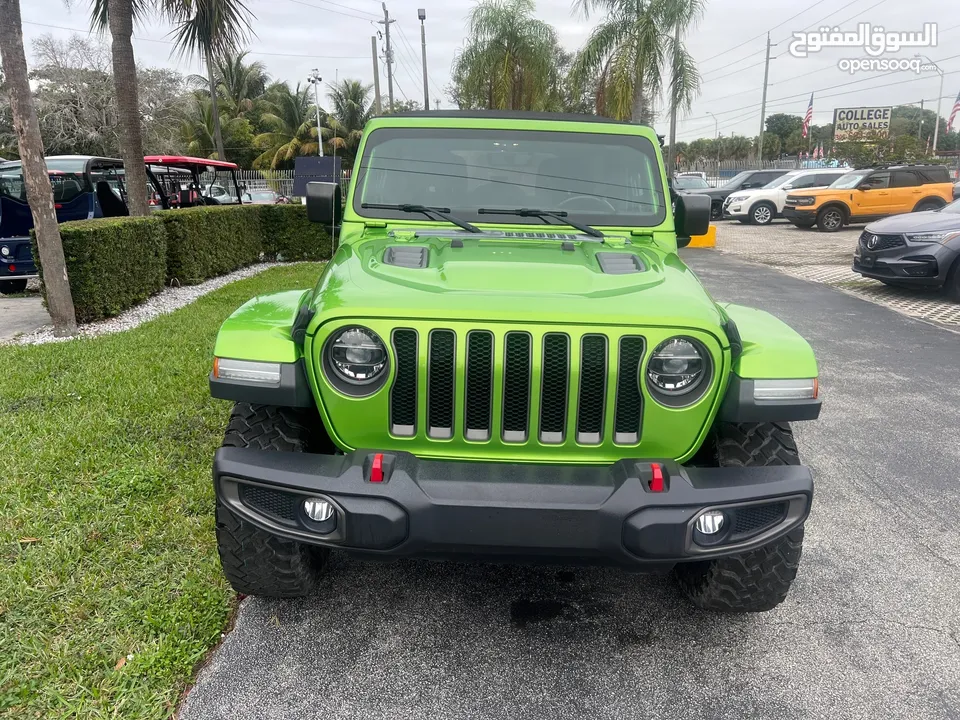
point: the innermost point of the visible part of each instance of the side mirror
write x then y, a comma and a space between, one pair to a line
692, 217
788, 186
323, 203
865, 186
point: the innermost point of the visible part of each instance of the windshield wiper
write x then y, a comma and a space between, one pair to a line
440, 212
561, 215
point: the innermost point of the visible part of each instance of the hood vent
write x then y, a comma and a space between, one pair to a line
540, 235
620, 263
408, 257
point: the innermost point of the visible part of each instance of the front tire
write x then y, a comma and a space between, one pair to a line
757, 580
254, 561
830, 219
762, 213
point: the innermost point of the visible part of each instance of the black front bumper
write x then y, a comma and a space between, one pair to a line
797, 215
546, 513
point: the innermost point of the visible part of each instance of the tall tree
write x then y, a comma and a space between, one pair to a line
629, 50
508, 62
39, 190
211, 29
291, 127
351, 110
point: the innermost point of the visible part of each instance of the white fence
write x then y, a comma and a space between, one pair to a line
280, 181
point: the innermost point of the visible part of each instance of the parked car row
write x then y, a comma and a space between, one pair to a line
913, 239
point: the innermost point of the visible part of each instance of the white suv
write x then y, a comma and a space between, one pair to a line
761, 206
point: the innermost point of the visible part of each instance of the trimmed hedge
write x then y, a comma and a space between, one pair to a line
204, 242
289, 236
113, 263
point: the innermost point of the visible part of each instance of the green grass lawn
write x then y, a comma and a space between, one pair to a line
110, 587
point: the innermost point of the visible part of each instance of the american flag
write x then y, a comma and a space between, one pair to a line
808, 118
953, 113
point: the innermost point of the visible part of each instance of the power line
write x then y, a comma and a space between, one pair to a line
170, 42
336, 12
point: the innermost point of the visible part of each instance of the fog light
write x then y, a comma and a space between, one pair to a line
710, 522
317, 509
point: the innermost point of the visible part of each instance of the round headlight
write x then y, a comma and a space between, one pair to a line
676, 367
4, 251
357, 355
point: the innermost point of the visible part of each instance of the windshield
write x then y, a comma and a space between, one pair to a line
690, 183
736, 181
601, 179
850, 180
782, 180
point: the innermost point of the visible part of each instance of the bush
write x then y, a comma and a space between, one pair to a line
289, 236
113, 263
204, 242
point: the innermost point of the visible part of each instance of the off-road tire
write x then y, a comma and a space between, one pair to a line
12, 287
831, 219
255, 561
766, 211
757, 580
716, 210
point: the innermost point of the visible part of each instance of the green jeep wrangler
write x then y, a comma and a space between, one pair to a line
506, 360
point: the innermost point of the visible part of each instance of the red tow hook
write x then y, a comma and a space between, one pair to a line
656, 481
376, 468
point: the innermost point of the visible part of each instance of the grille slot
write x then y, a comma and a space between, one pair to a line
478, 398
753, 519
279, 505
553, 387
629, 412
403, 395
516, 387
441, 383
593, 385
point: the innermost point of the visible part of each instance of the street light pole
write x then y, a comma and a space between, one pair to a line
315, 80
716, 137
936, 127
422, 14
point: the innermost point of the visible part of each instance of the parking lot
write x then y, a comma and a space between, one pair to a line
826, 258
870, 629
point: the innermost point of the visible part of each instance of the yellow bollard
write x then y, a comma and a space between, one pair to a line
705, 241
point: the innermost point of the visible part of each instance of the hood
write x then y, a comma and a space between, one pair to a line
516, 281
931, 221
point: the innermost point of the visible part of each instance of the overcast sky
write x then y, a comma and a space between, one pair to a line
293, 36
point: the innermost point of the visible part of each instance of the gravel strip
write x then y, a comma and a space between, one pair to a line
166, 301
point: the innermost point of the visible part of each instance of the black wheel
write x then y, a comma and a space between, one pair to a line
12, 287
928, 205
757, 580
763, 213
830, 219
716, 211
254, 561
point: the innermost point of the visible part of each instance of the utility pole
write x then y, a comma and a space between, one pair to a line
936, 127
672, 152
716, 138
386, 22
763, 103
422, 14
336, 131
436, 103
315, 80
920, 128
376, 76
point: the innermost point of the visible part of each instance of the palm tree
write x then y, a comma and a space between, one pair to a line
199, 130
211, 29
240, 84
629, 51
39, 190
508, 61
351, 112
292, 126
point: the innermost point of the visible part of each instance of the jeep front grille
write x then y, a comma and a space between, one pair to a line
517, 387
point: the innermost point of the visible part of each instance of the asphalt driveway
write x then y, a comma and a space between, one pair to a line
871, 629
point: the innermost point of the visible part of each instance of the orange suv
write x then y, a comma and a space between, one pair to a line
865, 195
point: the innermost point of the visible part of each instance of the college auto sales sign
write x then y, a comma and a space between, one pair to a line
860, 123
